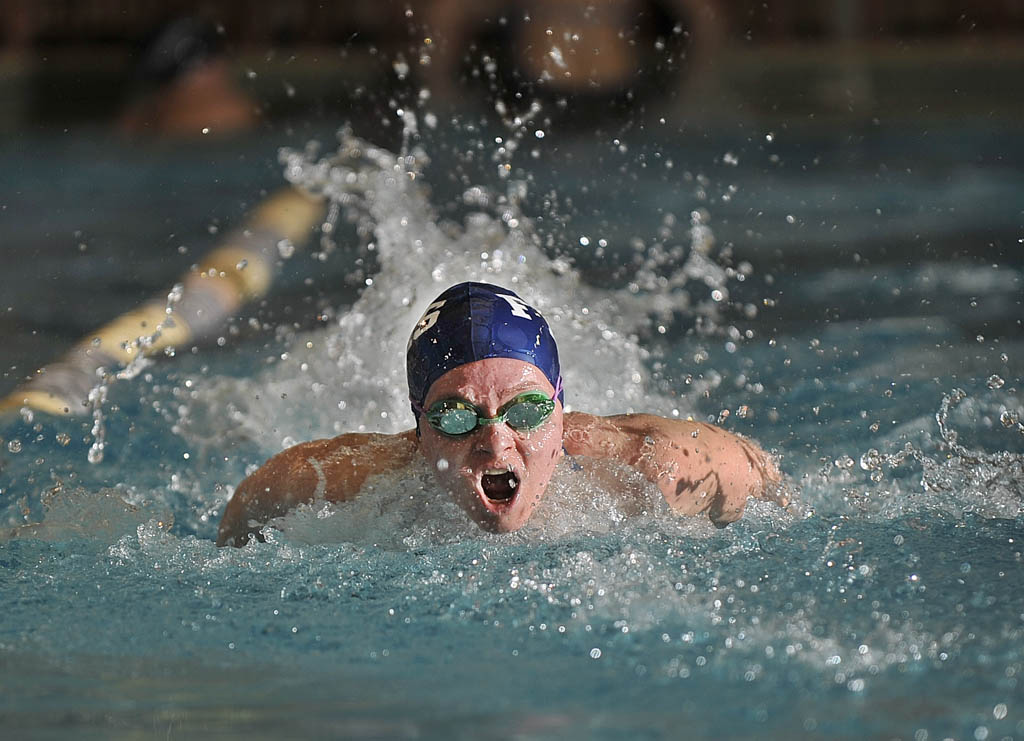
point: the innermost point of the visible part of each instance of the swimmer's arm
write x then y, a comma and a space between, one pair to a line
698, 467
322, 470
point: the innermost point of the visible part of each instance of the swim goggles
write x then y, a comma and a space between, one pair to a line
525, 412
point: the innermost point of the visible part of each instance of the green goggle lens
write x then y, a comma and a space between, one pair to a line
454, 417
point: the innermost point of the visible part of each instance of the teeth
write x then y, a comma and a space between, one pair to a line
495, 471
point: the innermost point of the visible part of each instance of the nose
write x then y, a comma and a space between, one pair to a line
493, 439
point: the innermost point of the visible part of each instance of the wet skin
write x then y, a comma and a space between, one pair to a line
699, 468
529, 455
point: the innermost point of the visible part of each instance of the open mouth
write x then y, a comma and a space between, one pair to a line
499, 485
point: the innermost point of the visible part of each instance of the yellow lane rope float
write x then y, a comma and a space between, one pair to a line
240, 269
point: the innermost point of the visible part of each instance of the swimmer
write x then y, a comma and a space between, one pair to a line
185, 86
486, 391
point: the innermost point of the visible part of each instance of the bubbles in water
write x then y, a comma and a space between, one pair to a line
14, 446
95, 454
995, 382
285, 248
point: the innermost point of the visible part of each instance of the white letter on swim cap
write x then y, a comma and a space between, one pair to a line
519, 307
428, 320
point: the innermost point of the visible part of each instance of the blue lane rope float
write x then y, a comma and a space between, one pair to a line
240, 269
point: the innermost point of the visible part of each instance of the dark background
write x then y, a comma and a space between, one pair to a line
65, 61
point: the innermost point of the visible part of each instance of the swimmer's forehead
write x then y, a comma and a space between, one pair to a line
489, 383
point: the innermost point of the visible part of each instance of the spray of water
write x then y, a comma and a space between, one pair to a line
351, 376
933, 470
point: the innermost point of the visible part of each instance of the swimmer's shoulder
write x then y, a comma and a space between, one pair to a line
336, 468
332, 470
590, 435
619, 436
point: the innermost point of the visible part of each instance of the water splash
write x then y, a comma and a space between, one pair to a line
953, 477
350, 377
74, 513
97, 396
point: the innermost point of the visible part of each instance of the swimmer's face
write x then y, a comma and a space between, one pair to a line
497, 474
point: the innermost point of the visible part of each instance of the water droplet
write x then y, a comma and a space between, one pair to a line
285, 248
14, 446
95, 454
995, 382
999, 711
871, 460
595, 653
442, 464
63, 438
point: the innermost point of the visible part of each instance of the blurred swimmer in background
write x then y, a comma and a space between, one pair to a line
185, 86
486, 390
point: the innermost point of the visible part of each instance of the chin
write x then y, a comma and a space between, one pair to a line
505, 523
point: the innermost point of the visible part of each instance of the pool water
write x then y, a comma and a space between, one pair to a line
851, 302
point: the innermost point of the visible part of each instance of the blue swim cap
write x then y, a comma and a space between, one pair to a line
474, 321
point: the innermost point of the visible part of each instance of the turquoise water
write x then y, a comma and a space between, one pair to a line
860, 319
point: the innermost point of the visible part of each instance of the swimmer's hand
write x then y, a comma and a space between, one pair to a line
698, 467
